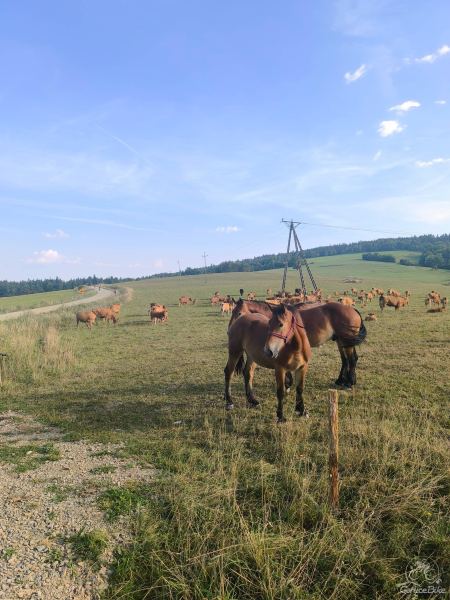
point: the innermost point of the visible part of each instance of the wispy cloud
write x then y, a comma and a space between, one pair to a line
57, 234
46, 257
430, 163
351, 77
106, 222
88, 173
387, 128
377, 155
441, 102
227, 229
430, 58
405, 106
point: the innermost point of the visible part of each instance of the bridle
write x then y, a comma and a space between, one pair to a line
291, 329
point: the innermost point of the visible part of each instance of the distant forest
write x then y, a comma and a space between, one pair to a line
434, 252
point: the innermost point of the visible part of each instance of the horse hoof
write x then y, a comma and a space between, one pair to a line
281, 420
229, 406
253, 403
304, 414
287, 390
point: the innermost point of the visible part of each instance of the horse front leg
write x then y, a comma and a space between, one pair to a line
249, 371
279, 376
300, 376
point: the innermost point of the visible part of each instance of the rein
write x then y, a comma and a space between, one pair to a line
291, 329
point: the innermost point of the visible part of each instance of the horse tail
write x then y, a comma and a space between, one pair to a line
362, 333
238, 369
348, 341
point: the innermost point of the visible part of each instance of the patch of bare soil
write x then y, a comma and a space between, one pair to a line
41, 508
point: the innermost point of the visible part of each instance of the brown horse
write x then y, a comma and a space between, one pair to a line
323, 322
279, 343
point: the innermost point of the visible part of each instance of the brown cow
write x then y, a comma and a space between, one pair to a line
226, 308
86, 316
396, 301
346, 300
115, 308
106, 313
183, 300
371, 317
159, 314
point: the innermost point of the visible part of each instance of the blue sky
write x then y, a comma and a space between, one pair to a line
135, 133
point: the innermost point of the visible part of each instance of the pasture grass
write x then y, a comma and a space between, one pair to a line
238, 508
28, 301
88, 545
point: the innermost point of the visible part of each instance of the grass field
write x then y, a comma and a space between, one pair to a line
13, 303
238, 510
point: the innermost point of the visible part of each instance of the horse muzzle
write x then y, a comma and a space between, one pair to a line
269, 353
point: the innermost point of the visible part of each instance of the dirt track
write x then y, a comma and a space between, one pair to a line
100, 295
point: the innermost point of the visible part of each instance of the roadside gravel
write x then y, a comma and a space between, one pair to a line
41, 508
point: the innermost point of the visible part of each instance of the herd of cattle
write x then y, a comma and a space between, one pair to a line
107, 313
158, 313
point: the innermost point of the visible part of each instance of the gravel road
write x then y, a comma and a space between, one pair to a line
102, 294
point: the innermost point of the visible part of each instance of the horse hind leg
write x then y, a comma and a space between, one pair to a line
300, 376
249, 372
233, 363
343, 374
352, 359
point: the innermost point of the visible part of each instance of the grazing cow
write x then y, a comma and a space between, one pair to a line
434, 298
158, 314
86, 316
227, 307
371, 317
115, 308
106, 313
346, 301
444, 302
184, 300
396, 301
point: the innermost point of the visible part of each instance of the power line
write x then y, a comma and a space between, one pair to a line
204, 259
358, 228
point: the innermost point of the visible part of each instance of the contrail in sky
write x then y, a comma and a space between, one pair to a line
124, 144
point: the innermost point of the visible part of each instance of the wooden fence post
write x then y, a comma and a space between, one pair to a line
333, 456
2, 369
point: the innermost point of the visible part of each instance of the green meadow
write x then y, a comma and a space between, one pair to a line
13, 303
238, 509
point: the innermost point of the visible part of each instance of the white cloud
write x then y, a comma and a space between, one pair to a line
377, 155
351, 77
51, 257
440, 102
387, 128
405, 106
46, 257
431, 58
228, 229
58, 234
430, 163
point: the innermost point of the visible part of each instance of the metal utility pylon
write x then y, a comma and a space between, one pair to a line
301, 259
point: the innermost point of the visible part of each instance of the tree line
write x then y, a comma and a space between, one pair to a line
434, 252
